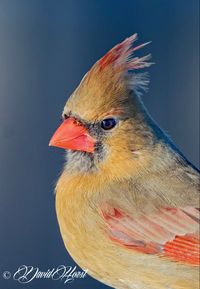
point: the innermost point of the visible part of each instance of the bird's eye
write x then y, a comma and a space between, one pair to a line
108, 123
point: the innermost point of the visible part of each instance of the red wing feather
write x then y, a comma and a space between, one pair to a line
183, 248
169, 232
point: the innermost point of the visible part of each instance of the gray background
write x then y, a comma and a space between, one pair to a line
45, 49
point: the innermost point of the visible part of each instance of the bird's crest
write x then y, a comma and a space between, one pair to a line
120, 62
121, 56
108, 82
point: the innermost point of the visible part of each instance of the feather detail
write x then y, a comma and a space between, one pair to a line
169, 232
121, 56
138, 82
121, 59
183, 248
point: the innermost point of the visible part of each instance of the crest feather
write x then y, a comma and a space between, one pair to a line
121, 59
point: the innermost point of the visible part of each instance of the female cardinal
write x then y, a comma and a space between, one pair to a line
127, 200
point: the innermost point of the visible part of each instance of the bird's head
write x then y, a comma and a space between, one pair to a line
103, 120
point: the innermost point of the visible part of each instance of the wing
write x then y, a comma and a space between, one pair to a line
168, 232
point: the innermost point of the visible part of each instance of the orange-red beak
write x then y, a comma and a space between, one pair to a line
72, 135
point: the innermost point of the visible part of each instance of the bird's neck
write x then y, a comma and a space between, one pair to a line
156, 136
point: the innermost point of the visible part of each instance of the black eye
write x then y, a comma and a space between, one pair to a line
108, 123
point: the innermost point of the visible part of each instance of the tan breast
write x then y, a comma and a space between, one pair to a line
85, 239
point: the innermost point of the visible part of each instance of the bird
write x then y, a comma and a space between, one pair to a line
127, 199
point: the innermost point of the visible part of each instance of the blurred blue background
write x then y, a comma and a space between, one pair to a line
45, 49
